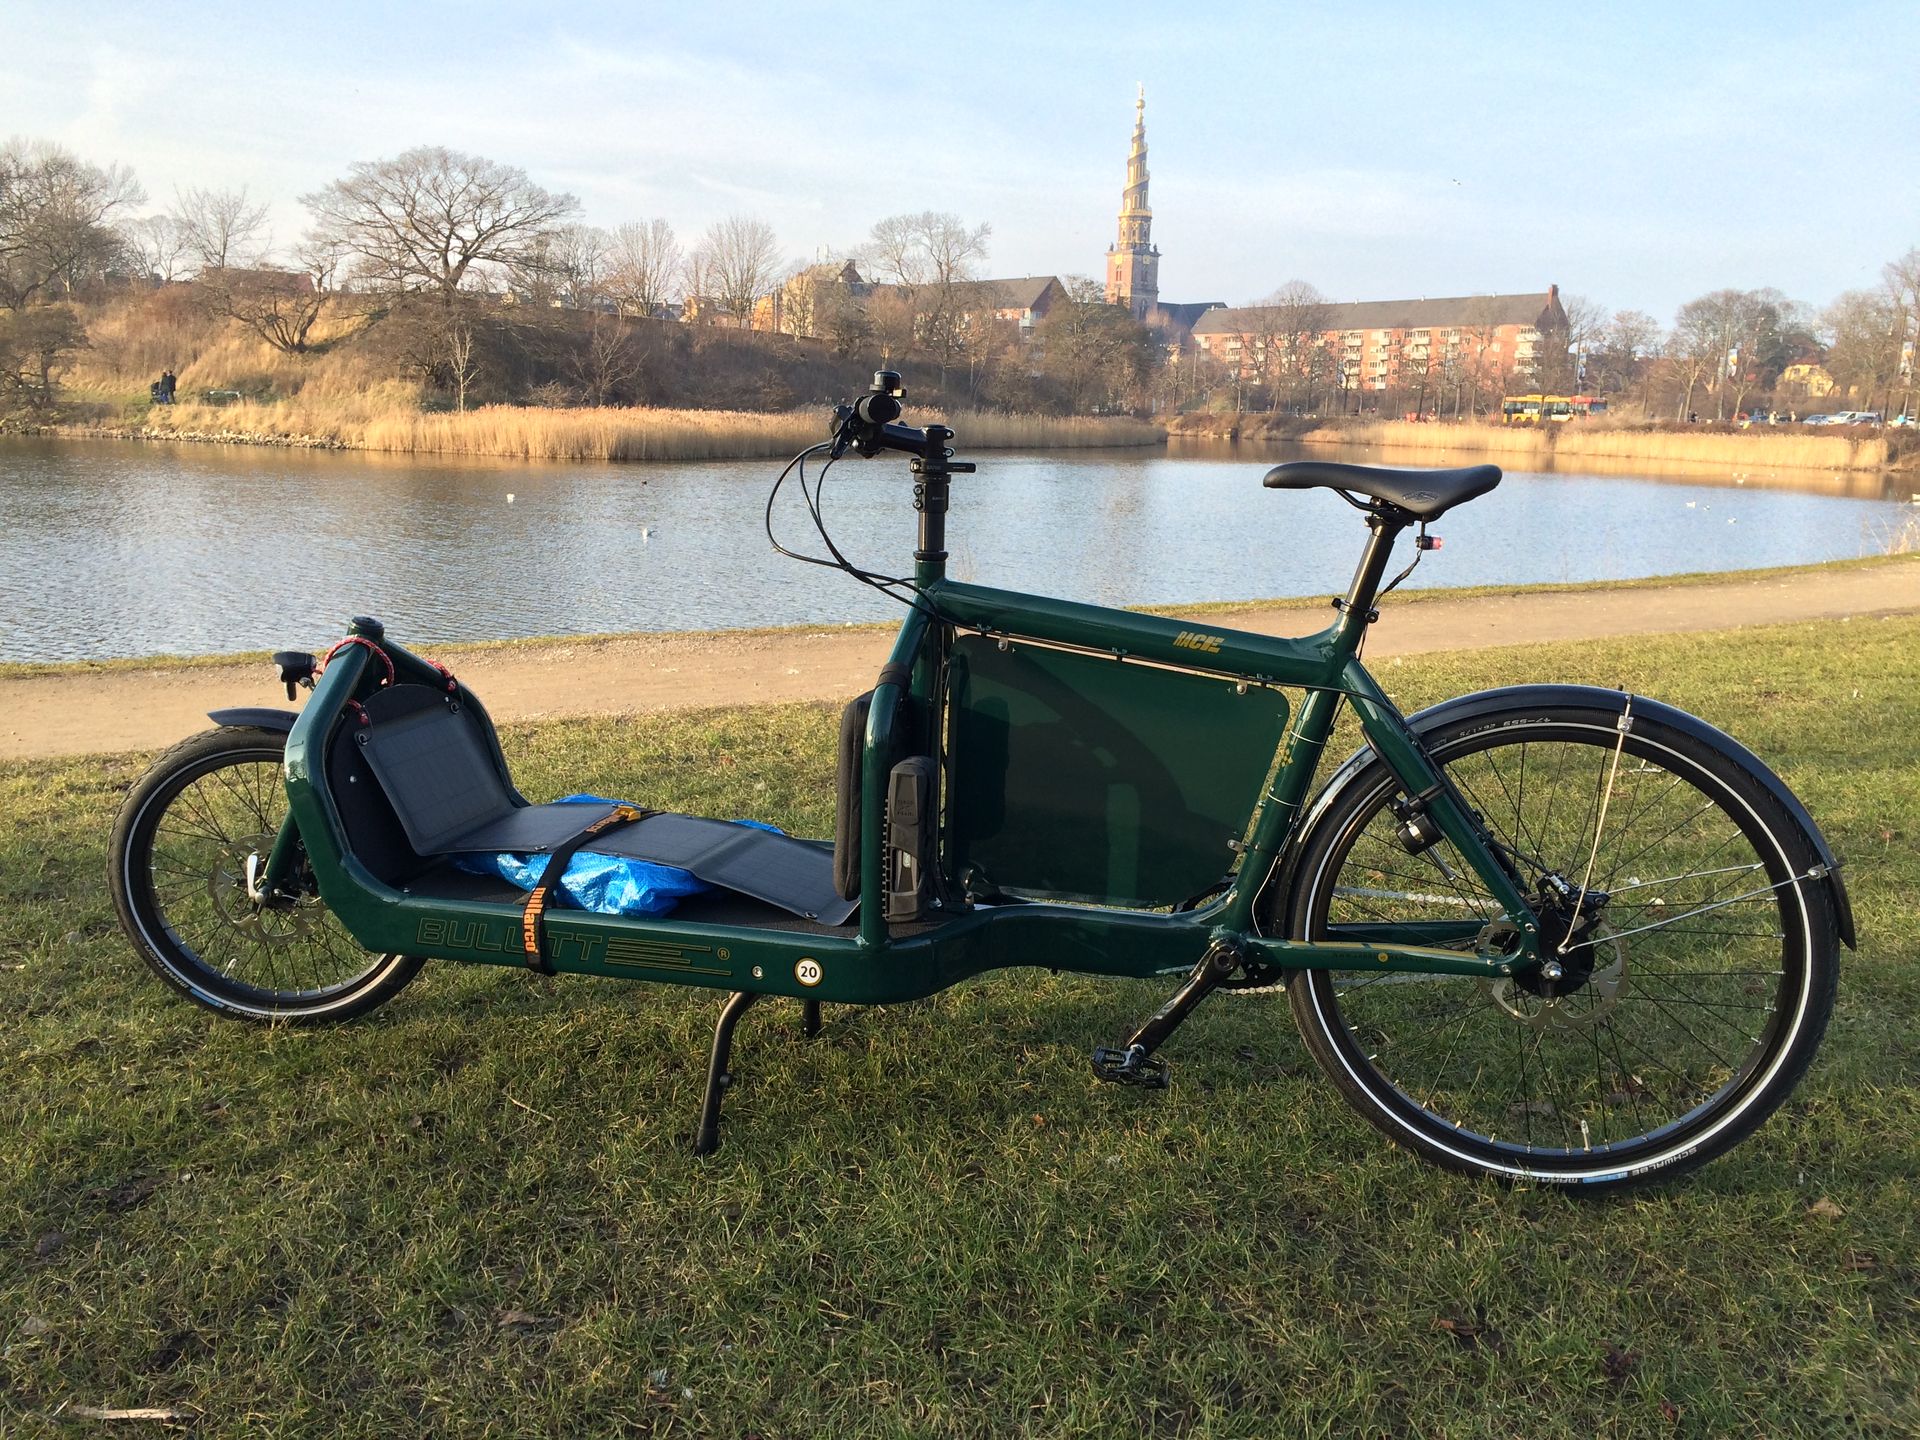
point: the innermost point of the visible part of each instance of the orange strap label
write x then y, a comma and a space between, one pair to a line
551, 877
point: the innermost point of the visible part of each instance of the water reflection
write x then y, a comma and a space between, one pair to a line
115, 549
1854, 484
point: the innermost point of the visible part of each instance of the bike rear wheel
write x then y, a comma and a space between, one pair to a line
1698, 948
179, 877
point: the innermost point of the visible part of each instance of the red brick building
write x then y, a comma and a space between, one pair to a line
1453, 352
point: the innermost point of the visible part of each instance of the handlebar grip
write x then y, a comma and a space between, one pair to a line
877, 409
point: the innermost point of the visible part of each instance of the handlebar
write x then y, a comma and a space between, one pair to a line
866, 426
877, 409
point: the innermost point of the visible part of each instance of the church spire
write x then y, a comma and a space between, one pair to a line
1132, 262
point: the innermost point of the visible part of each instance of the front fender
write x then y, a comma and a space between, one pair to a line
1531, 697
261, 719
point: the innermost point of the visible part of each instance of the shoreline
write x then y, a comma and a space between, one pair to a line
1650, 445
114, 707
642, 435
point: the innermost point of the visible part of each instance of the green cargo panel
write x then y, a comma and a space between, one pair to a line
1080, 777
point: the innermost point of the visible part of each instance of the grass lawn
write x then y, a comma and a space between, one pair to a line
474, 1213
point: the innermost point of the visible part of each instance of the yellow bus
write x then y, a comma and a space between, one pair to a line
1549, 409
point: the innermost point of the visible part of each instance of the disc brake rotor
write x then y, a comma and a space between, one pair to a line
1582, 1008
227, 889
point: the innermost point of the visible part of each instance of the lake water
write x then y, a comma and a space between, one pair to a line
115, 549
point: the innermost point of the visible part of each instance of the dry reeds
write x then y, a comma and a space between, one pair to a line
323, 412
995, 430
1522, 445
390, 422
520, 433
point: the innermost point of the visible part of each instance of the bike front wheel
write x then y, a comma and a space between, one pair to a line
179, 859
1695, 941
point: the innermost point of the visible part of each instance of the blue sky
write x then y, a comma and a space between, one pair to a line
1636, 154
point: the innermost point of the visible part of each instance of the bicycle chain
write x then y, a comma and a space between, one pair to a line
1241, 991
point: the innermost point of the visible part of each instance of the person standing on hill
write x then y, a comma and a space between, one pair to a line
168, 382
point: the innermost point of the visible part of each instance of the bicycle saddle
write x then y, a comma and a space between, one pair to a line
1423, 494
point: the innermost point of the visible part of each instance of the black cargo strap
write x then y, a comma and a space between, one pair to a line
533, 918
895, 673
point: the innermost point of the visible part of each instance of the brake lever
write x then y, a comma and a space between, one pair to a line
296, 669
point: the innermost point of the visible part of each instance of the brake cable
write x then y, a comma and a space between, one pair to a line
1421, 545
888, 585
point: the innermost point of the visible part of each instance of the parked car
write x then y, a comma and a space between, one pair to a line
1818, 420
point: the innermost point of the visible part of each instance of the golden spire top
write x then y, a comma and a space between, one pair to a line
1134, 198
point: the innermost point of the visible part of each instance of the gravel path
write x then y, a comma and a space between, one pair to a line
78, 711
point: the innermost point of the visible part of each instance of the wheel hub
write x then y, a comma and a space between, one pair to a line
1600, 990
1569, 921
227, 889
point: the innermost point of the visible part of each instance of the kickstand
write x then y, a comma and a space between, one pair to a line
810, 1018
706, 1140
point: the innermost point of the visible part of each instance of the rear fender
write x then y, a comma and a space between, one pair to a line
1529, 697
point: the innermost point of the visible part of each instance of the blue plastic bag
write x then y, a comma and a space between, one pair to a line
604, 884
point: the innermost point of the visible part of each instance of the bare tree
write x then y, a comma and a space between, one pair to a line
1868, 333
1299, 319
931, 256
322, 257
1621, 352
1262, 351
57, 214
430, 218
223, 229
1564, 354
1485, 372
840, 318
1704, 331
890, 321
932, 249
697, 285
156, 247
1096, 354
743, 260
584, 253
642, 267
279, 303
1732, 341
462, 364
565, 267
36, 344
607, 363
280, 306
1772, 328
1903, 284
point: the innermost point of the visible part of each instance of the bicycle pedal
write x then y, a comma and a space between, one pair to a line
1131, 1066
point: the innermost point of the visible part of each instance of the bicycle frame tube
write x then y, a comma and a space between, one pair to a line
1326, 665
877, 962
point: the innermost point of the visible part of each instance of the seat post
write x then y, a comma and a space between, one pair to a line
1356, 611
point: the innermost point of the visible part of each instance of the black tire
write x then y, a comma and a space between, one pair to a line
1677, 1030
177, 870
